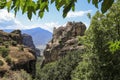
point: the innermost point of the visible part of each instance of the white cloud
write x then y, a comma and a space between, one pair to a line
8, 21
5, 16
77, 13
47, 26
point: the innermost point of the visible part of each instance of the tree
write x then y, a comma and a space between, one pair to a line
102, 60
61, 69
40, 6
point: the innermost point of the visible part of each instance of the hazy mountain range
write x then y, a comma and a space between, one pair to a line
39, 35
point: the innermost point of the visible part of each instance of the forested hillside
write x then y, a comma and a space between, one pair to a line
77, 53
100, 58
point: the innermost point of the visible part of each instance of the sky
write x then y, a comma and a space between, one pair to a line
51, 19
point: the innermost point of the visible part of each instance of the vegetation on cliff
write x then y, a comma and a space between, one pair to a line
14, 55
100, 57
97, 60
61, 69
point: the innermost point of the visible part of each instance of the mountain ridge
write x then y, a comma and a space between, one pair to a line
40, 36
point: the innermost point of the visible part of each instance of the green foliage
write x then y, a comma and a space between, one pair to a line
99, 62
18, 75
103, 35
6, 44
40, 6
21, 48
61, 69
114, 46
8, 60
105, 6
14, 43
89, 15
82, 72
1, 63
4, 52
2, 3
1, 40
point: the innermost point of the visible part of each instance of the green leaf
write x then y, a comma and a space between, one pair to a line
66, 10
114, 46
47, 8
58, 6
68, 7
95, 2
24, 9
16, 9
41, 13
73, 7
52, 1
2, 4
89, 15
29, 14
43, 6
89, 1
106, 5
8, 4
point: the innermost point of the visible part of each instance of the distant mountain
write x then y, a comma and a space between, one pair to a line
39, 35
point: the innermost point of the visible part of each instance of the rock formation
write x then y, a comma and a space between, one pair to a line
14, 55
27, 41
64, 40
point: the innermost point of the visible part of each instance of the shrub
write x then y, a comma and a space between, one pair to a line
21, 48
1, 63
61, 69
14, 43
4, 51
8, 60
17, 75
1, 40
23, 75
6, 44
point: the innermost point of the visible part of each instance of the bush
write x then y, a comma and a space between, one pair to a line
6, 44
14, 43
61, 69
8, 60
17, 75
1, 63
4, 52
86, 70
21, 48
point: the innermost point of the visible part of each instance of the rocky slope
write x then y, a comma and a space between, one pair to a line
65, 39
14, 54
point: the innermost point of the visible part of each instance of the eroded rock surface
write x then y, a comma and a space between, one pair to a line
28, 42
14, 55
65, 39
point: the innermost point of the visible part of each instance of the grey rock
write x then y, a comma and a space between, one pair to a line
65, 39
28, 42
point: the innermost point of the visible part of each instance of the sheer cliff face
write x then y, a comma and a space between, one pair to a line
14, 55
64, 40
28, 41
